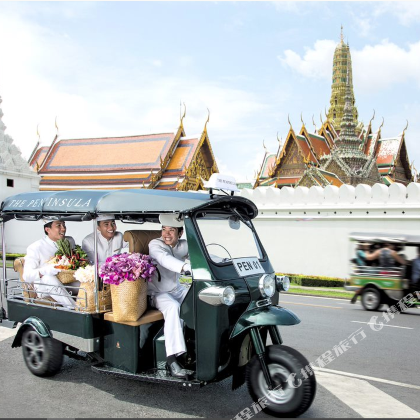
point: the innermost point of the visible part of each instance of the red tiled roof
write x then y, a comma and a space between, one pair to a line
319, 144
112, 154
388, 151
39, 156
305, 149
268, 163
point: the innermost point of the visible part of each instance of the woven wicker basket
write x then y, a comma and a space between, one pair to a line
86, 298
66, 276
129, 300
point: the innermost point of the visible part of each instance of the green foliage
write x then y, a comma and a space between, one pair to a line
11, 256
63, 248
314, 281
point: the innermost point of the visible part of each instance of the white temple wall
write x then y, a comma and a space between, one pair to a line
305, 230
22, 182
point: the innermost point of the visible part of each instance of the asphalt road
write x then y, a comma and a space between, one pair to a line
388, 358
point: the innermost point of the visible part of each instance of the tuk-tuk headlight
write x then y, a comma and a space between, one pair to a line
282, 283
216, 296
267, 286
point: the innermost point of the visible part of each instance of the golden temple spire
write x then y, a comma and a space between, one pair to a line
405, 128
288, 119
382, 124
183, 116
208, 119
341, 66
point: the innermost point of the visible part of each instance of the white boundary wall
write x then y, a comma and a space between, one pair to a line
305, 230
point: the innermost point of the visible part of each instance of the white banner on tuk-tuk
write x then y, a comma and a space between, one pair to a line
247, 266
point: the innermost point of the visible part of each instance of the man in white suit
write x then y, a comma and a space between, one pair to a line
109, 240
43, 275
170, 253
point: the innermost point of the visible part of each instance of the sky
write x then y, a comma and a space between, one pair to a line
103, 69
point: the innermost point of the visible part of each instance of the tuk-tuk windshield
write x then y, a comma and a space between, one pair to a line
226, 237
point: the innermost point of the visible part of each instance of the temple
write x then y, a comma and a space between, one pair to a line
169, 161
342, 150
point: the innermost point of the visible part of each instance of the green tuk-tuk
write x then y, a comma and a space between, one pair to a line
377, 284
231, 317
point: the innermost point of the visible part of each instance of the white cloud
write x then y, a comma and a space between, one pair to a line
407, 12
374, 67
47, 75
379, 66
316, 62
363, 26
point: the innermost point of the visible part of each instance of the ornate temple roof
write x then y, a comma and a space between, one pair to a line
341, 150
162, 161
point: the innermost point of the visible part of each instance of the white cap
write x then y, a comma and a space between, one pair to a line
103, 217
171, 220
55, 219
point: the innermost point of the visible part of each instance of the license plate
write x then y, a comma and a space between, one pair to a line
248, 266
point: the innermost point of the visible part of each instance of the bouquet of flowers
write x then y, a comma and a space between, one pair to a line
68, 259
129, 298
86, 296
126, 266
85, 274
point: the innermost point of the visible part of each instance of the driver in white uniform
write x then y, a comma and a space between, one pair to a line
170, 253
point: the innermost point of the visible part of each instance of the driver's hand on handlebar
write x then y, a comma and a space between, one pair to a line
49, 270
186, 269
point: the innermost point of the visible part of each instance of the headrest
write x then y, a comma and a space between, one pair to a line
171, 220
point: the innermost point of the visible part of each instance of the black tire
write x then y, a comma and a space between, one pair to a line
371, 299
290, 401
43, 355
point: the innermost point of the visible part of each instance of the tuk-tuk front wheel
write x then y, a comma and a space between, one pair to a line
292, 392
371, 299
43, 355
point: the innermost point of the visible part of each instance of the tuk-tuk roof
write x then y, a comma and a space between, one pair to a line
130, 201
383, 237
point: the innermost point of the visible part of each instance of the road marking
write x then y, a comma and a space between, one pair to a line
367, 378
309, 304
7, 333
385, 325
364, 398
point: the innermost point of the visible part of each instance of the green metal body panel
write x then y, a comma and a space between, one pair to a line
214, 325
121, 346
130, 348
38, 325
69, 322
380, 282
268, 315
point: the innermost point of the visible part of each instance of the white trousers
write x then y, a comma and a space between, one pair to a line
51, 286
169, 304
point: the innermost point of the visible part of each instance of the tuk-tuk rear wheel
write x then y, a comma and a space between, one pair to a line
294, 398
371, 299
43, 355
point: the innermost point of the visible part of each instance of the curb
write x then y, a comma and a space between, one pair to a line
311, 294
